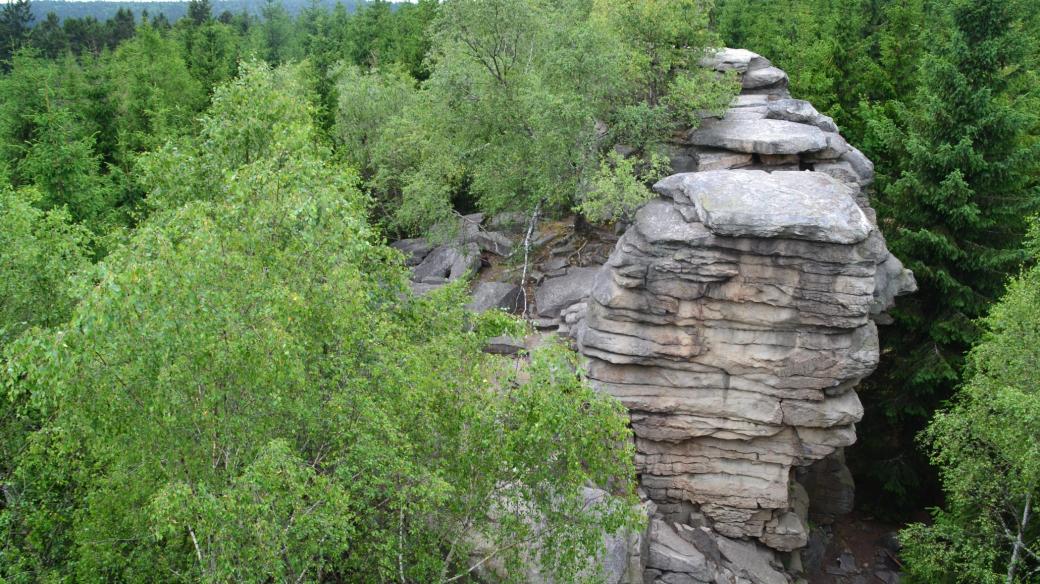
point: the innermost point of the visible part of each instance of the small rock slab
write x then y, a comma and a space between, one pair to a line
861, 165
504, 345
495, 295
509, 222
739, 60
415, 249
447, 263
796, 205
493, 241
559, 293
747, 560
671, 553
802, 112
760, 136
711, 159
764, 77
421, 289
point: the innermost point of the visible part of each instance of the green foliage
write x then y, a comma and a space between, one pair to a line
987, 452
378, 36
520, 84
496, 323
153, 95
264, 114
827, 47
249, 392
211, 53
15, 27
39, 252
49, 37
74, 130
48, 139
665, 37
620, 187
640, 125
954, 199
367, 103
694, 92
33, 90
507, 118
61, 162
275, 39
690, 95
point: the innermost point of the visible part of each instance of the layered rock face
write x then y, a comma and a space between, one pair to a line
734, 319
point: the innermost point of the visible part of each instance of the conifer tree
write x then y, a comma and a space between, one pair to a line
954, 208
15, 20
986, 450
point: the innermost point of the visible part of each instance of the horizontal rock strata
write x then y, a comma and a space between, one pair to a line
734, 320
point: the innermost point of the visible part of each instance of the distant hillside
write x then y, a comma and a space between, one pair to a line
173, 10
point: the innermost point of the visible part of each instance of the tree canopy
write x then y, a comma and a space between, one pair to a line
247, 392
986, 448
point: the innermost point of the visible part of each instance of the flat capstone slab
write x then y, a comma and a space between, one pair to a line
806, 205
760, 136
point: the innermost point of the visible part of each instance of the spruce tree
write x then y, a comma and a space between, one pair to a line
954, 207
199, 12
15, 25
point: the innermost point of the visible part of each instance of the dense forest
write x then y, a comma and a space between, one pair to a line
212, 369
103, 10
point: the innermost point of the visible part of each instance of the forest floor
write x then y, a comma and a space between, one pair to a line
861, 550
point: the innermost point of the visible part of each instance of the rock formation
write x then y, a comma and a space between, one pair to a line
734, 320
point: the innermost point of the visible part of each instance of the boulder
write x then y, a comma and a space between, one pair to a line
764, 77
794, 205
745, 113
747, 560
891, 280
671, 553
836, 148
495, 242
840, 170
555, 294
739, 60
421, 289
495, 295
733, 320
800, 111
755, 100
830, 487
710, 159
861, 165
447, 263
504, 345
512, 222
415, 250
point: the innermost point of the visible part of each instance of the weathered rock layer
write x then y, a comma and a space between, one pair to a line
736, 317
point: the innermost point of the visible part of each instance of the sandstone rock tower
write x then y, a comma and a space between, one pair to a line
734, 319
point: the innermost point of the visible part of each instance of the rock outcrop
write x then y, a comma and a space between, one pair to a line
459, 256
734, 320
